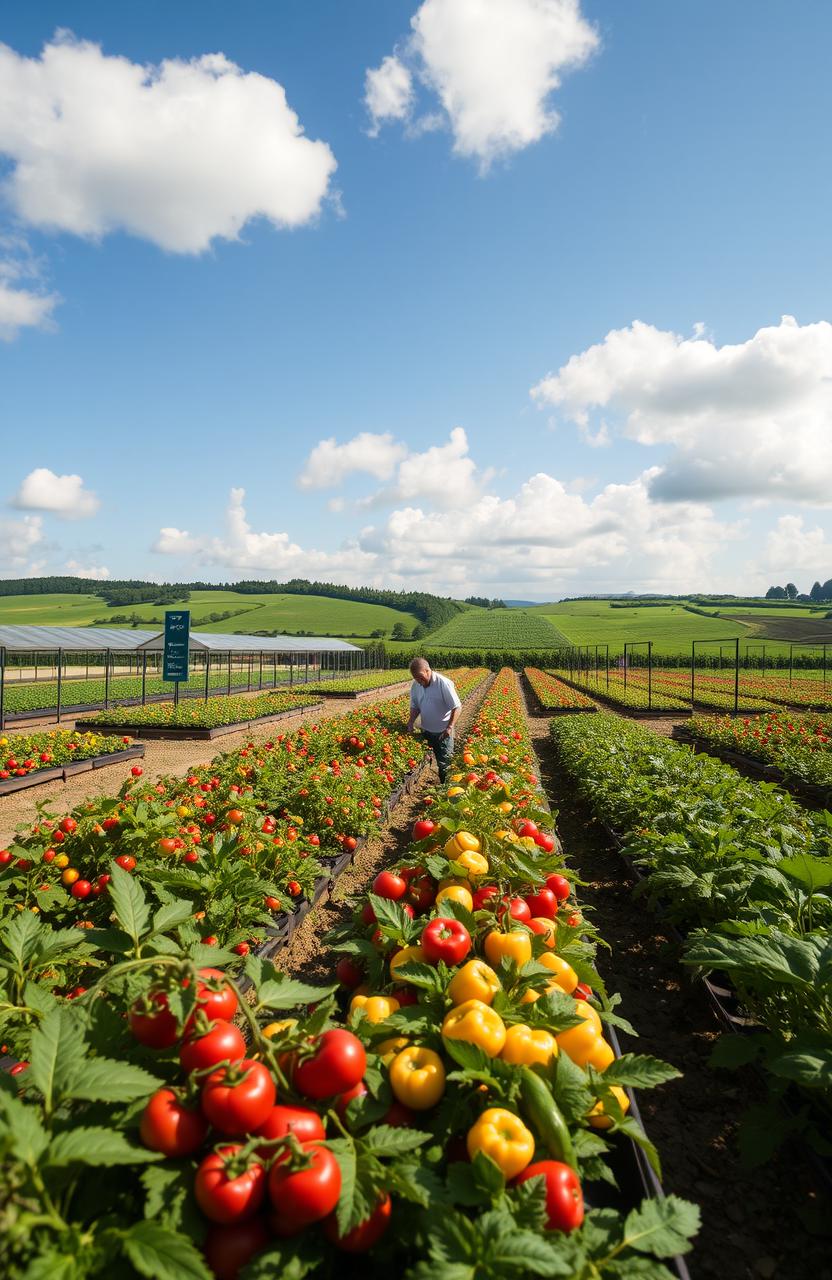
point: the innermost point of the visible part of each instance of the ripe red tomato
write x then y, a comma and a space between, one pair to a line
388, 884
545, 841
136, 771
423, 828
582, 991
564, 1197
222, 1042
543, 904
238, 1099
349, 973
445, 939
304, 1123
484, 895
421, 892
226, 1193
303, 1196
167, 1125
338, 1063
527, 828
152, 1022
349, 843
235, 817
518, 908
368, 916
68, 825
559, 886
81, 889
228, 1249
366, 1234
359, 1090
126, 862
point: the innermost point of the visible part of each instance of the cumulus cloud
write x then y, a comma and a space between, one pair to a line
329, 463
99, 572
745, 420
19, 539
65, 496
242, 548
24, 301
178, 154
444, 475
792, 548
388, 93
492, 65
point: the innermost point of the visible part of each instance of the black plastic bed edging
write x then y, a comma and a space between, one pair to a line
354, 695
62, 773
821, 796
198, 733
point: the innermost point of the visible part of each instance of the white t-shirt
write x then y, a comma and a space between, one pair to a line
435, 702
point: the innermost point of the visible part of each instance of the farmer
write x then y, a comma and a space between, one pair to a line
435, 700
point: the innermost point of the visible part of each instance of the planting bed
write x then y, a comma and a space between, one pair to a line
790, 747
205, 720
553, 696
27, 760
358, 686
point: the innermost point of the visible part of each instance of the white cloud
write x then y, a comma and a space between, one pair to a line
752, 419
99, 572
329, 463
242, 548
24, 302
179, 153
388, 93
444, 475
66, 496
19, 538
794, 550
493, 65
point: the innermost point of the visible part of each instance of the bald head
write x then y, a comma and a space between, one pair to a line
420, 670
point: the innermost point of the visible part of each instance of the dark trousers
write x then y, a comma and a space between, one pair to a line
443, 749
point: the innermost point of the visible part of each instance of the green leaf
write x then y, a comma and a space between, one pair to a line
286, 1259
639, 1071
110, 1080
115, 940
288, 993
602, 1231
96, 1146
662, 1227
806, 1059
344, 1151
54, 1265
23, 1125
732, 1051
21, 937
57, 1051
813, 873
161, 1254
172, 914
211, 957
389, 1140
129, 902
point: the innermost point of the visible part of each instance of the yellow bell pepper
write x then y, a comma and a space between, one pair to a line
456, 893
526, 1045
476, 864
585, 1044
476, 1022
474, 981
275, 1028
565, 976
388, 1049
417, 1077
376, 1008
502, 1136
516, 945
407, 955
462, 842
598, 1117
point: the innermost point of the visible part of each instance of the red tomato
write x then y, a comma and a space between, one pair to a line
527, 829
484, 895
366, 1234
545, 841
517, 908
225, 1193
582, 992
359, 1090
235, 816
81, 889
445, 939
228, 1249
238, 1099
167, 845
303, 1196
167, 1125
559, 886
564, 1197
221, 1043
423, 828
543, 904
152, 1022
368, 916
338, 1063
125, 861
68, 825
349, 973
305, 1124
421, 892
388, 884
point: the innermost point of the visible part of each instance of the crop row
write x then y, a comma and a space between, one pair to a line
41, 695
552, 692
447, 1120
745, 871
633, 696
208, 714
23, 754
359, 683
241, 837
799, 745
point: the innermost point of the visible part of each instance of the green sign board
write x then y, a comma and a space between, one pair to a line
177, 637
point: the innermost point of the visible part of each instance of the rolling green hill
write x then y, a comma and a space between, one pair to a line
497, 629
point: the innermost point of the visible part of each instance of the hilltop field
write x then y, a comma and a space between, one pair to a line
671, 625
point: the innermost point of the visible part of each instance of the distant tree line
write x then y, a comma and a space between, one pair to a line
821, 593
484, 603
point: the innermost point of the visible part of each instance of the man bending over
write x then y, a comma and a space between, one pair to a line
435, 700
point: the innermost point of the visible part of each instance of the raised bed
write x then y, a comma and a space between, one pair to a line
175, 733
62, 773
821, 796
357, 695
634, 713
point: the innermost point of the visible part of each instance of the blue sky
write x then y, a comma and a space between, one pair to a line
549, 356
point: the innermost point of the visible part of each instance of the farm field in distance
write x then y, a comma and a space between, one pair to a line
497, 629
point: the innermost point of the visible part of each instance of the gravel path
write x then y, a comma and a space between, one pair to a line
163, 758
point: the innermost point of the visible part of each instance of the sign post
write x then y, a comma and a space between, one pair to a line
176, 659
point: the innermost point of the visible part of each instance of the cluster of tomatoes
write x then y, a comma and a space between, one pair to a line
264, 1168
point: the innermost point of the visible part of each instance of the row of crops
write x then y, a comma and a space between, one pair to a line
25, 754
664, 689
798, 745
181, 1108
744, 871
209, 714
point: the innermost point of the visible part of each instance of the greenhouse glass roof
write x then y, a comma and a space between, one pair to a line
98, 639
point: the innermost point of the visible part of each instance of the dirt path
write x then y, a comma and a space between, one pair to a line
750, 1221
162, 758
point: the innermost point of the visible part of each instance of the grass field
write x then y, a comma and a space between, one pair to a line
497, 629
317, 614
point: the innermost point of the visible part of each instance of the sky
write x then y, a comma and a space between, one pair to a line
522, 298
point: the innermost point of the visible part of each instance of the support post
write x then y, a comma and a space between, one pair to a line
2, 688
60, 676
207, 673
693, 670
306, 681
144, 677
625, 665
736, 676
260, 679
791, 658
649, 675
107, 679
229, 672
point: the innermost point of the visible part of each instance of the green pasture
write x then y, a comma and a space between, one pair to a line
496, 629
670, 627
